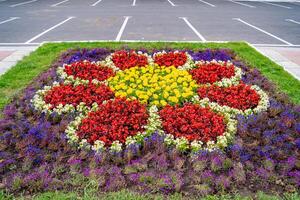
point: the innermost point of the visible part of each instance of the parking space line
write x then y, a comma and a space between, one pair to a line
273, 4
243, 4
261, 30
118, 38
23, 3
134, 2
10, 19
46, 31
59, 3
212, 5
94, 4
193, 28
291, 20
171, 3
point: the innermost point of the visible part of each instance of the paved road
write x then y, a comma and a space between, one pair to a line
35, 21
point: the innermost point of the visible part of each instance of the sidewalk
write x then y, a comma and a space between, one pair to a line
10, 55
287, 57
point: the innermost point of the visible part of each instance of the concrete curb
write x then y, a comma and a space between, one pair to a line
18, 54
276, 57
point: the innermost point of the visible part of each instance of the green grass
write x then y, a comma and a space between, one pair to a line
18, 77
127, 195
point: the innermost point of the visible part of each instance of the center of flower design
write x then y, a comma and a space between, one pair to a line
154, 85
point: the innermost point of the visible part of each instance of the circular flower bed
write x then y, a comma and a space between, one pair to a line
131, 95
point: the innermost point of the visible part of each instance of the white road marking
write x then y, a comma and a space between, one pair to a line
94, 4
10, 19
243, 4
189, 41
212, 5
23, 3
171, 3
193, 29
2, 0
273, 4
118, 38
291, 20
59, 3
46, 31
261, 30
134, 2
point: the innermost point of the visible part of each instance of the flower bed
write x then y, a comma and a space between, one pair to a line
163, 121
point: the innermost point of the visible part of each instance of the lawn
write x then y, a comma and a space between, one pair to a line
150, 120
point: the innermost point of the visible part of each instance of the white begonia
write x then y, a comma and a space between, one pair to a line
116, 146
98, 146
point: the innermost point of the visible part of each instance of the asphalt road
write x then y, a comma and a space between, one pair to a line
35, 21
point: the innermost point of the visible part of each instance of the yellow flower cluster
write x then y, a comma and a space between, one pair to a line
154, 85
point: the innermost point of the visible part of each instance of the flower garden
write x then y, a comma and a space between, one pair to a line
195, 122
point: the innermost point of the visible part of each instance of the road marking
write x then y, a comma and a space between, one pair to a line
171, 3
291, 20
193, 28
46, 31
2, 0
10, 19
118, 38
23, 3
243, 4
212, 5
94, 4
134, 2
59, 3
261, 30
273, 4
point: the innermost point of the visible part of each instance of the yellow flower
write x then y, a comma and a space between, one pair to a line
163, 102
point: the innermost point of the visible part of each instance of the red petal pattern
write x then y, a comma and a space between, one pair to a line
240, 96
69, 94
115, 120
192, 122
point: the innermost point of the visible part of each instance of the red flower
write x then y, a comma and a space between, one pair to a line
212, 72
88, 71
241, 96
69, 94
125, 60
192, 122
171, 59
115, 120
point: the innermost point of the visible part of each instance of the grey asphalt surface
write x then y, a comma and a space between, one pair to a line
150, 20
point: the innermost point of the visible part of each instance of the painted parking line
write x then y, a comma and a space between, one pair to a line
212, 5
243, 4
94, 4
261, 30
134, 2
46, 31
118, 38
23, 3
291, 20
273, 4
54, 5
193, 28
172, 4
9, 20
